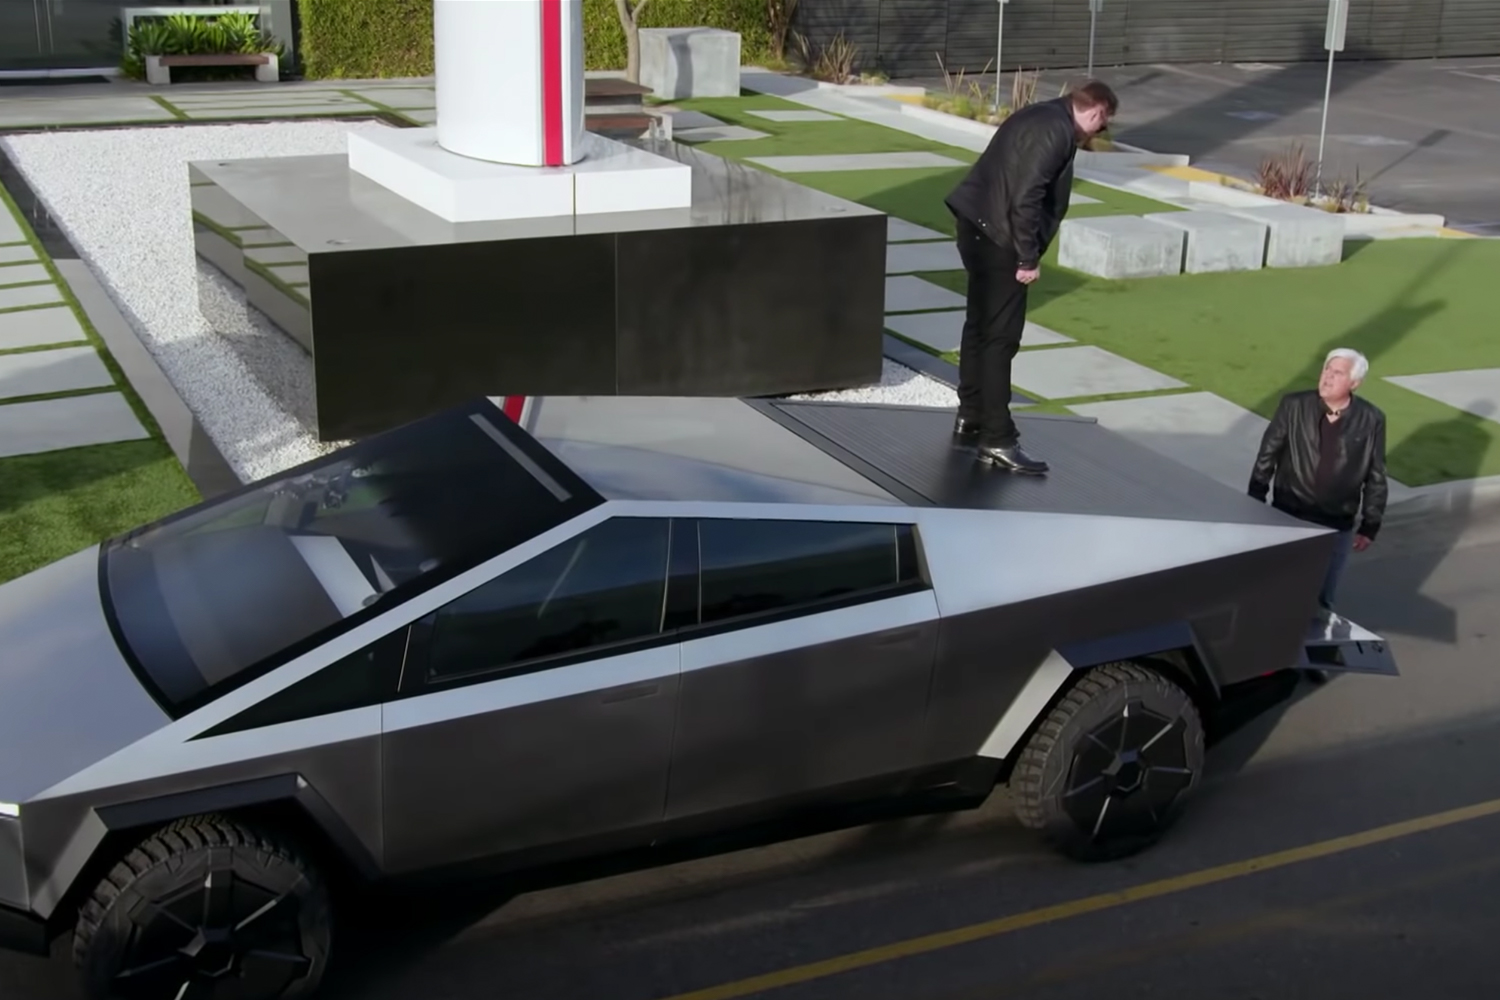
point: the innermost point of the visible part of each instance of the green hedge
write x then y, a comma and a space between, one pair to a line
366, 39
351, 39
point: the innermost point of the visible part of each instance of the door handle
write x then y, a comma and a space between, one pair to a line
898, 637
631, 693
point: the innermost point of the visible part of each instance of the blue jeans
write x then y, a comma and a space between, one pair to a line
1342, 546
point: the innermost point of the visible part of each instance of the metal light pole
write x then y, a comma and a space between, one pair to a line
1094, 7
1333, 41
999, 47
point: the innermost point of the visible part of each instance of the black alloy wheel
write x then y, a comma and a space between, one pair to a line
1110, 767
205, 909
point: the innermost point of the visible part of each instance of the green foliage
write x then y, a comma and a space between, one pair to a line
194, 35
366, 39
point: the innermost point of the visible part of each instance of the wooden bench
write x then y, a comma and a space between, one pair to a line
267, 66
620, 126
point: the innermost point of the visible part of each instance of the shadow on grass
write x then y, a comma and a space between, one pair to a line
1377, 335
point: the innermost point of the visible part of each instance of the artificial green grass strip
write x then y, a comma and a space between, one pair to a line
58, 502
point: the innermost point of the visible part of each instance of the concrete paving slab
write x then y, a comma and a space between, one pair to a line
260, 237
423, 117
1199, 429
901, 231
693, 119
716, 133
16, 254
256, 98
66, 369
280, 111
276, 255
10, 229
292, 274
35, 327
70, 422
1473, 390
401, 98
796, 116
943, 331
17, 274
1070, 372
907, 258
26, 113
855, 161
911, 294
1083, 199
29, 295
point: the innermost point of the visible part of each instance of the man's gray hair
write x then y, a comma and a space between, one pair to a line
1359, 365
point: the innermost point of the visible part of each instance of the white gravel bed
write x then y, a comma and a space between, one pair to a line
898, 386
122, 198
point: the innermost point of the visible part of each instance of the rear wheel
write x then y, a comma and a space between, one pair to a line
1111, 765
205, 908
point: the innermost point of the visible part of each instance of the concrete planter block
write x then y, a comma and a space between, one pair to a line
679, 63
1218, 241
1121, 246
1299, 236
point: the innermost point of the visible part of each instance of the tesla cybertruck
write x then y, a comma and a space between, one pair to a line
477, 644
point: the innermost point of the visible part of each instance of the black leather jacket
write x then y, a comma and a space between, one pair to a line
1017, 192
1289, 452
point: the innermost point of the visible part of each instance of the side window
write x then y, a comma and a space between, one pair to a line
604, 586
756, 567
361, 679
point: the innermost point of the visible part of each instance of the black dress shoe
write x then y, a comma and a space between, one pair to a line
1012, 459
963, 427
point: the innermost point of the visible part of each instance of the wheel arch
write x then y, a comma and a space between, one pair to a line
287, 802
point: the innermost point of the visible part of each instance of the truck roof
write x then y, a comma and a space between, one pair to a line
803, 451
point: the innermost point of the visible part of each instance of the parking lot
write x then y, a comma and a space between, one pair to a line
1342, 848
1422, 134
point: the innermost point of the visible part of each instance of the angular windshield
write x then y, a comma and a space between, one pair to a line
205, 598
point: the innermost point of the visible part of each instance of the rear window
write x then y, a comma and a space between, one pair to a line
209, 599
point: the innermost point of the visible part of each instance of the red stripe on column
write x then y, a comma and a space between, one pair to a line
513, 406
552, 83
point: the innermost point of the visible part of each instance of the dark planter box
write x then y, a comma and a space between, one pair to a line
763, 287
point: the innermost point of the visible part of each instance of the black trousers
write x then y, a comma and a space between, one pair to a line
993, 326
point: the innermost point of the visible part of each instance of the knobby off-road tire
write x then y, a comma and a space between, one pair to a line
1110, 767
205, 908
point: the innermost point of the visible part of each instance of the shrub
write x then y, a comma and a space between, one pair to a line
1286, 176
1347, 196
831, 63
604, 39
194, 35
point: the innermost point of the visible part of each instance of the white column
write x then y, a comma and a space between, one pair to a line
510, 80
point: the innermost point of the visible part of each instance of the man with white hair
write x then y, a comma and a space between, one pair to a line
1325, 448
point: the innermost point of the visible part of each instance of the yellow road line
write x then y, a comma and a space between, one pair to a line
1091, 904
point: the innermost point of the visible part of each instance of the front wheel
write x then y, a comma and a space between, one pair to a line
205, 908
1109, 768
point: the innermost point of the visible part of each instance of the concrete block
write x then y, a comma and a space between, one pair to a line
1298, 236
1121, 246
690, 62
1218, 241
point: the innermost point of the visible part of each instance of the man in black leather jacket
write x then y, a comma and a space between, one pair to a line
1008, 209
1325, 447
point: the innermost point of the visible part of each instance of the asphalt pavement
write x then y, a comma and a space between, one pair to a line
1323, 859
1423, 133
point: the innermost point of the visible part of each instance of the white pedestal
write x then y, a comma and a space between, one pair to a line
610, 177
509, 79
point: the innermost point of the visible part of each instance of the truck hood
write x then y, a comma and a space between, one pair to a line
68, 698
